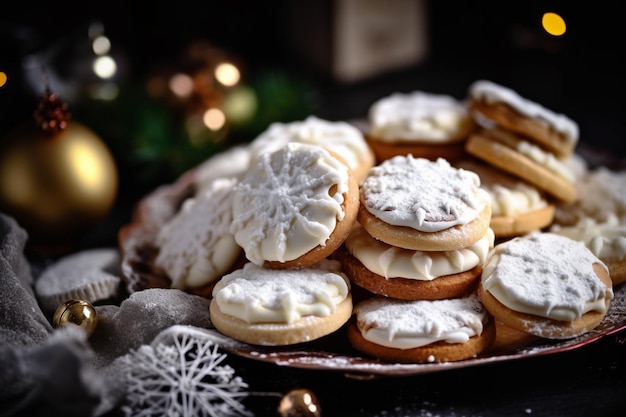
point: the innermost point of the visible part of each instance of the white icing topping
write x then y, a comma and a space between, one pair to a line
545, 159
509, 195
606, 240
393, 262
546, 275
283, 206
419, 116
491, 92
425, 195
403, 324
340, 137
196, 246
231, 163
259, 295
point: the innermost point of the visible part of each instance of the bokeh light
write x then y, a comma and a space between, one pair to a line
553, 24
214, 119
227, 74
104, 67
101, 45
3, 78
181, 85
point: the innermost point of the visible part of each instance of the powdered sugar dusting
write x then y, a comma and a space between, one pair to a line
547, 275
422, 194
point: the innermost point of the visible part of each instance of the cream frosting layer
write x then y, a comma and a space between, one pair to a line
289, 202
491, 92
420, 116
403, 324
425, 195
260, 295
546, 275
606, 240
196, 246
340, 137
509, 195
393, 262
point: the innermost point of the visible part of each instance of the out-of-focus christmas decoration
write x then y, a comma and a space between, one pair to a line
76, 312
299, 403
186, 111
57, 177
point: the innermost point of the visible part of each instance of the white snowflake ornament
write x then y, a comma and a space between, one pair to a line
181, 375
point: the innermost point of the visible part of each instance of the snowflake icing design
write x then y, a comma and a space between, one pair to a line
183, 378
293, 186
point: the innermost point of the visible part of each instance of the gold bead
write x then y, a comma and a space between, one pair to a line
299, 403
78, 312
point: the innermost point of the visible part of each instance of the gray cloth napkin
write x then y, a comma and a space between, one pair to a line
42, 372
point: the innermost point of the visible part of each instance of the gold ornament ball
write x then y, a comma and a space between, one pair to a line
299, 403
78, 312
56, 185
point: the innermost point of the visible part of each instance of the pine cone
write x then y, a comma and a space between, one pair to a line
51, 115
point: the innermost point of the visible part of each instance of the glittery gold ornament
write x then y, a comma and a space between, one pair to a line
299, 403
78, 312
57, 177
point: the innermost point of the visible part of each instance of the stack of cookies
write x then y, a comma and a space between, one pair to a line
418, 248
526, 141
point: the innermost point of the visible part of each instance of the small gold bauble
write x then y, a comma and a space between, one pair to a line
299, 403
56, 185
78, 312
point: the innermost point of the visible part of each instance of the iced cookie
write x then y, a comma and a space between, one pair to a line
196, 246
555, 132
517, 207
425, 331
262, 306
409, 274
295, 206
546, 285
339, 137
523, 160
606, 240
419, 204
419, 123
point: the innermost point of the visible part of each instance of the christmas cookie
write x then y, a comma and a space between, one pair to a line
546, 285
419, 204
523, 160
262, 306
295, 206
424, 331
517, 207
91, 275
341, 138
195, 245
606, 240
231, 163
419, 123
556, 133
409, 274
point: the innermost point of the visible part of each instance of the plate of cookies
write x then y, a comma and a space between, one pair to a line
435, 234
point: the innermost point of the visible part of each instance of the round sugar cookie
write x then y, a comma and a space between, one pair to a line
340, 137
423, 331
546, 285
606, 240
412, 275
269, 307
196, 247
502, 150
517, 207
295, 206
419, 123
419, 204
553, 131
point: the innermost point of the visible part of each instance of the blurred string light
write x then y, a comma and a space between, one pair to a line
206, 86
553, 24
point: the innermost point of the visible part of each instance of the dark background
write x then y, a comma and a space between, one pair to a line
580, 74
